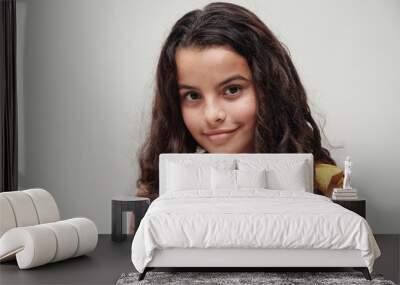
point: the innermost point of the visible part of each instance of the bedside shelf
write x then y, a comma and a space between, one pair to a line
122, 204
357, 206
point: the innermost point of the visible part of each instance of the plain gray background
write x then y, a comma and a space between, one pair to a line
86, 79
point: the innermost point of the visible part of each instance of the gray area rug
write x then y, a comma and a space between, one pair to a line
229, 278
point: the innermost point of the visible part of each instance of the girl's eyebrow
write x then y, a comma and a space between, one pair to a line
229, 79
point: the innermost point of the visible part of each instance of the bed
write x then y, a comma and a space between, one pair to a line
247, 211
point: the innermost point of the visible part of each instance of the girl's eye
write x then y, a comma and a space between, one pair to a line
232, 91
191, 96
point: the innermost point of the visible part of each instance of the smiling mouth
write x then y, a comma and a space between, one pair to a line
220, 136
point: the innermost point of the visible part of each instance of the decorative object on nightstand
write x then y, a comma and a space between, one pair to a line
344, 194
347, 192
122, 204
347, 174
358, 206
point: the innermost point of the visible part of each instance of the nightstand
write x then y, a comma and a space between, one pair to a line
357, 206
122, 204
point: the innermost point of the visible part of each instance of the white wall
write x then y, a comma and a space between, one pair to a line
86, 71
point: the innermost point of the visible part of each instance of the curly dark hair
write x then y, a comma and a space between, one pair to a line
284, 123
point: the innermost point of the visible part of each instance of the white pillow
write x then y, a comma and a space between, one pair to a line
193, 174
251, 178
281, 174
223, 179
181, 177
292, 178
228, 179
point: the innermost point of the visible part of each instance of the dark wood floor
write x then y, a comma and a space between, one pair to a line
110, 260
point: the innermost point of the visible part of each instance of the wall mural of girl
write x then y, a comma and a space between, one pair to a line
226, 84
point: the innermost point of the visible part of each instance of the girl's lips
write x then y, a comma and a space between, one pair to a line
218, 136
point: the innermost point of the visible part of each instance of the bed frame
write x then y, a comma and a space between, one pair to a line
250, 258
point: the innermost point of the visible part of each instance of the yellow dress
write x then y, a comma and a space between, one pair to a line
327, 177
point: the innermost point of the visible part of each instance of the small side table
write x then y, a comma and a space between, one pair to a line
357, 206
120, 204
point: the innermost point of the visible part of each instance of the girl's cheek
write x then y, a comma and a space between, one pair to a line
192, 119
245, 109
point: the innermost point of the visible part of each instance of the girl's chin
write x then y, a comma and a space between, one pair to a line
225, 149
222, 149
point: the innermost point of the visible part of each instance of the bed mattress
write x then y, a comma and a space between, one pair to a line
250, 219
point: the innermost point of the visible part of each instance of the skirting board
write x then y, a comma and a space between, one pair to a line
235, 257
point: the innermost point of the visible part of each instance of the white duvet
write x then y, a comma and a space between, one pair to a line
252, 218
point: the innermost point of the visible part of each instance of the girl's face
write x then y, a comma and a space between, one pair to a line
218, 100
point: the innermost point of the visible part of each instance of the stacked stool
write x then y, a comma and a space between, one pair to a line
31, 231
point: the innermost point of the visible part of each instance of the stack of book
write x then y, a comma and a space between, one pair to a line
344, 194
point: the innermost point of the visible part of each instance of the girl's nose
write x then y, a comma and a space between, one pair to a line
214, 113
